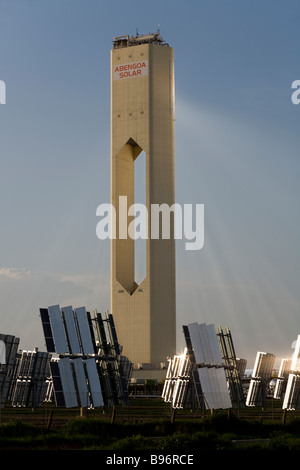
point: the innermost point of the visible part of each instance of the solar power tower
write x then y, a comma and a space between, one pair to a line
142, 126
90, 371
199, 376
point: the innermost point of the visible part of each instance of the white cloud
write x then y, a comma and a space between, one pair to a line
14, 273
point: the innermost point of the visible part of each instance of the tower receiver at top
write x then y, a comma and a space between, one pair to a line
127, 41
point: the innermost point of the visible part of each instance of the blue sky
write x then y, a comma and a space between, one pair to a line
237, 152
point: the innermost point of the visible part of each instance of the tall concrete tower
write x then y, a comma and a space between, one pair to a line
142, 120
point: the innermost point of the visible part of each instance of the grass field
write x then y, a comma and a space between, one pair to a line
147, 424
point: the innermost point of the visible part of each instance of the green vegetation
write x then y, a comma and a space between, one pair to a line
206, 432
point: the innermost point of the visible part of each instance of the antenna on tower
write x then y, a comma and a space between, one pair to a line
137, 33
